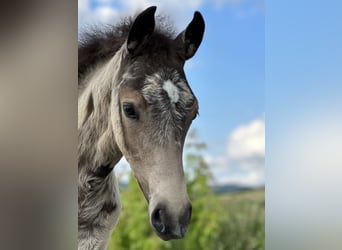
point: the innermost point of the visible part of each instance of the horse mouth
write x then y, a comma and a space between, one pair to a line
170, 236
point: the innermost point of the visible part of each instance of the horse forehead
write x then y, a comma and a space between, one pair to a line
167, 84
170, 101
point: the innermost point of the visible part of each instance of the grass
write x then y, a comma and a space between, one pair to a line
244, 220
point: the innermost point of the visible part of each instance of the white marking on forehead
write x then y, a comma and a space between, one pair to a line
172, 91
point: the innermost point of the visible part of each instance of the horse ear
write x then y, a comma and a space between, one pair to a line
191, 37
141, 30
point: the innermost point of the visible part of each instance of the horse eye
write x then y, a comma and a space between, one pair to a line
130, 110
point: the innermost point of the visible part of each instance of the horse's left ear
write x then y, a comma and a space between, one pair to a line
191, 37
141, 30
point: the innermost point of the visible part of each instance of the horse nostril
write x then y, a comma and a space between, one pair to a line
157, 220
171, 225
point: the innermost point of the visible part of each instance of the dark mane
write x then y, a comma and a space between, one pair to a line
99, 44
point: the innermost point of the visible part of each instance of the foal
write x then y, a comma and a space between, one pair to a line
134, 101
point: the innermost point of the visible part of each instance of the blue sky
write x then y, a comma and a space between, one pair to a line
226, 74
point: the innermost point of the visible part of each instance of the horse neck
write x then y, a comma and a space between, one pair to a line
97, 144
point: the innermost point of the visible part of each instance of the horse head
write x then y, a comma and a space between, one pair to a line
153, 110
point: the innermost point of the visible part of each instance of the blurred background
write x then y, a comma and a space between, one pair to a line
225, 150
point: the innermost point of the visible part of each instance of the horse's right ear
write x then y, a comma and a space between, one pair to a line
141, 30
191, 38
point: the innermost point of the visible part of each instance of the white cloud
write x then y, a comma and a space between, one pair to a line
247, 141
243, 161
106, 14
218, 164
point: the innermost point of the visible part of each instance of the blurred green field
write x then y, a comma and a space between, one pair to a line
244, 227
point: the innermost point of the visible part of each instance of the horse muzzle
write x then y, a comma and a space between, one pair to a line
169, 225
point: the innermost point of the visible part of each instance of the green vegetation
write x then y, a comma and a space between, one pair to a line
244, 226
230, 221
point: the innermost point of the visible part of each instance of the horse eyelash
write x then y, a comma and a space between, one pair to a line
196, 115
